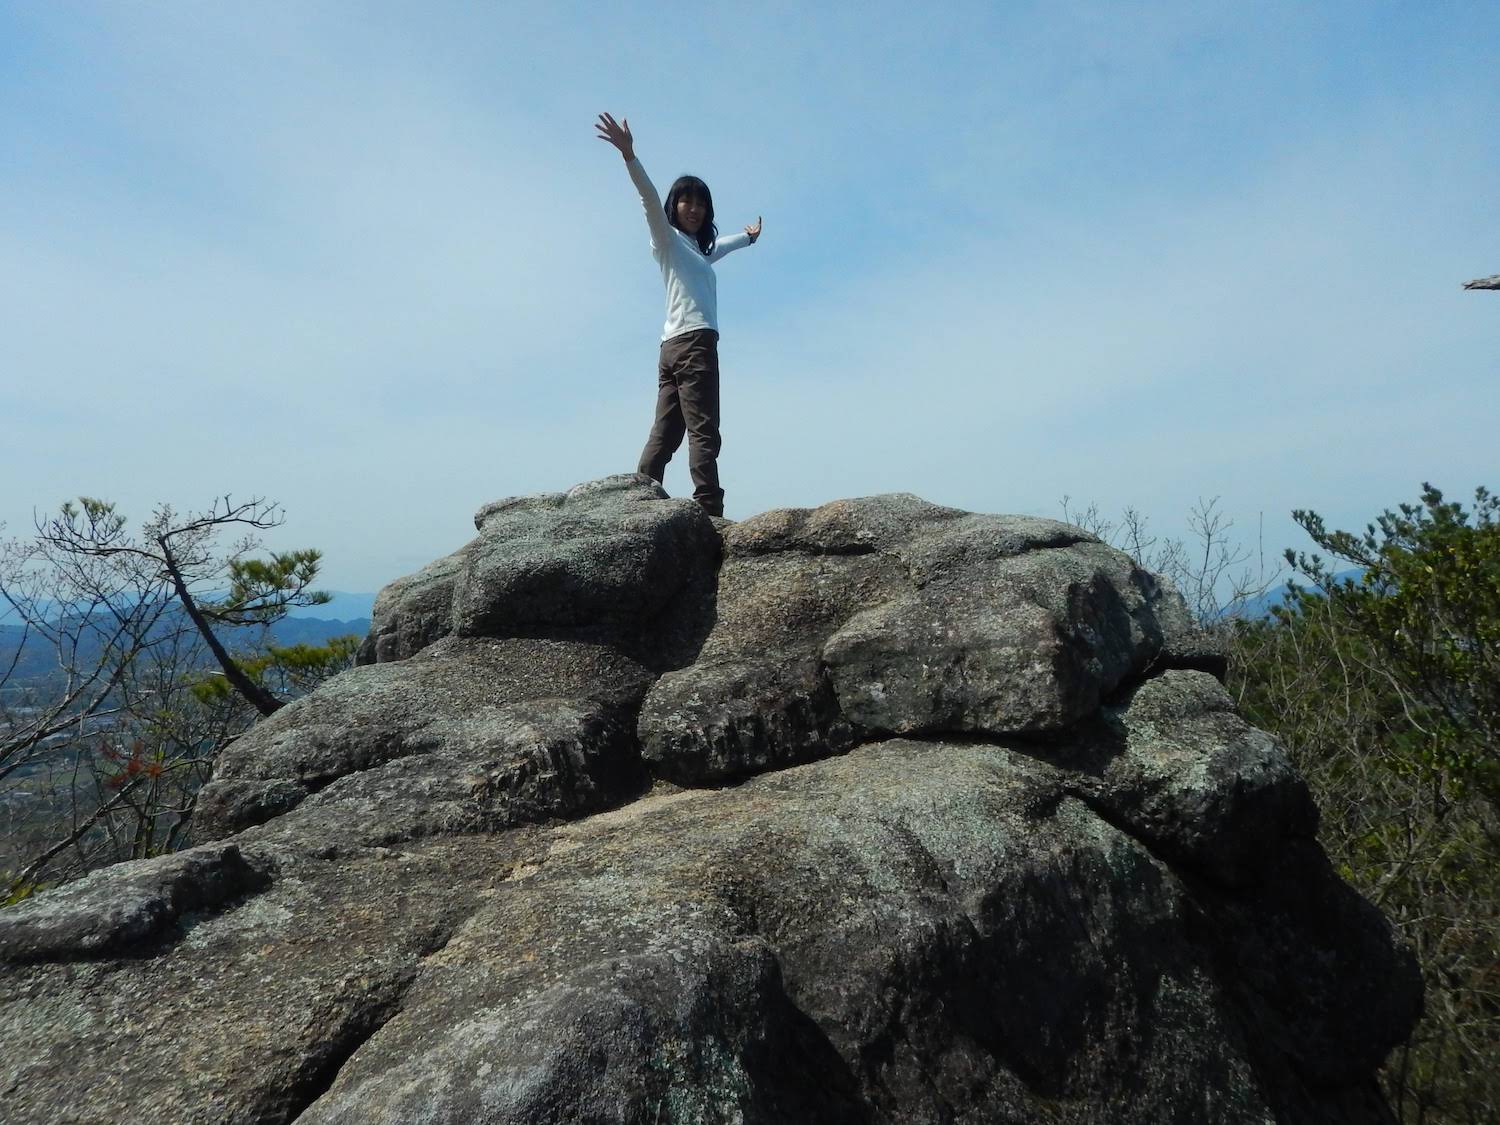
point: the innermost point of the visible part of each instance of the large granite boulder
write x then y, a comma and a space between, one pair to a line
119, 909
977, 839
412, 612
874, 937
612, 560
890, 615
1176, 767
470, 733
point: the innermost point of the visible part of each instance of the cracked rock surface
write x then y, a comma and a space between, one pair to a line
610, 560
876, 812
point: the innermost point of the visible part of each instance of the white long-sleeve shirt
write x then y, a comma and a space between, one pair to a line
692, 291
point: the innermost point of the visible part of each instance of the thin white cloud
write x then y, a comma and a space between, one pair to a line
375, 265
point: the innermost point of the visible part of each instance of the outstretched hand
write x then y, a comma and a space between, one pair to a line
616, 133
753, 230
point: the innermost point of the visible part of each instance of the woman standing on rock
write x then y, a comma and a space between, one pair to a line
685, 244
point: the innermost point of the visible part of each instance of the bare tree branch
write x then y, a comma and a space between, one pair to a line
109, 719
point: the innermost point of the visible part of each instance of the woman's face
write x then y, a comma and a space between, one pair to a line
690, 213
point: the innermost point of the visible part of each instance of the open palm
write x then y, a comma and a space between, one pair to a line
616, 133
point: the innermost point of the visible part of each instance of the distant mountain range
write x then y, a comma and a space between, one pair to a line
1262, 606
316, 630
342, 607
36, 659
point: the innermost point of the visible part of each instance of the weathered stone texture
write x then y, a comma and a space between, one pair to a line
975, 837
889, 615
472, 732
612, 560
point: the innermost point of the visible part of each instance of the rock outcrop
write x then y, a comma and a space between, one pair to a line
878, 812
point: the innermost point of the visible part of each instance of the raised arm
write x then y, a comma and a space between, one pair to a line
618, 134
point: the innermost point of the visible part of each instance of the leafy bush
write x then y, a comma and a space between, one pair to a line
1386, 690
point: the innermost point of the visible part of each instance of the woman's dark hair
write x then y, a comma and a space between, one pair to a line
692, 187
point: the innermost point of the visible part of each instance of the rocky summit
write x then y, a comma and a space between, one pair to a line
875, 812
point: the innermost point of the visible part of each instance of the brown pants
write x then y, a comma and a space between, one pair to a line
687, 402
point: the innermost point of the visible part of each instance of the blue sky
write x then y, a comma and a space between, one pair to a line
370, 260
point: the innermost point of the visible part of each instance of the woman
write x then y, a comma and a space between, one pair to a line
685, 244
